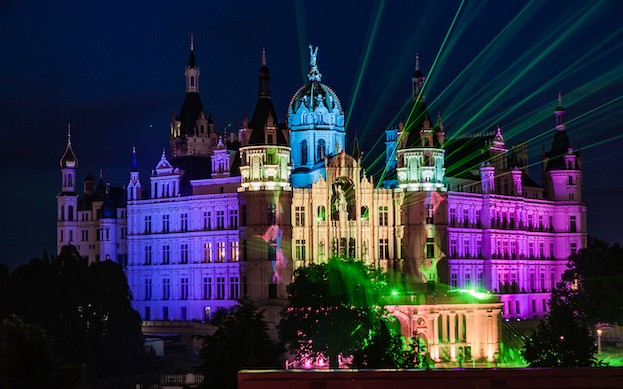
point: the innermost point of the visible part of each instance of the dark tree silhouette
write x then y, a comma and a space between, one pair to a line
241, 341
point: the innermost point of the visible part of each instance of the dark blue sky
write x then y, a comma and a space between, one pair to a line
115, 70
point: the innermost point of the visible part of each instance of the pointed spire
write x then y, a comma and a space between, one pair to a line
314, 73
134, 162
560, 114
191, 36
264, 78
356, 149
192, 63
101, 174
69, 160
439, 121
417, 62
164, 153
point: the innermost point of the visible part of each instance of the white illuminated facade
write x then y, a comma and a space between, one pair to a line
226, 216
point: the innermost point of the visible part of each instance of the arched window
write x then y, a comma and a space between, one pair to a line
70, 213
322, 213
321, 150
304, 152
192, 80
364, 213
70, 182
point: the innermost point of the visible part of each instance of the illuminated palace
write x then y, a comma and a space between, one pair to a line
233, 215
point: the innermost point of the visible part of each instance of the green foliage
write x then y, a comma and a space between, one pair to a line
28, 358
335, 308
241, 341
85, 309
598, 270
563, 338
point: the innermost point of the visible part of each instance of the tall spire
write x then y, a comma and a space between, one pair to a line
134, 162
417, 80
264, 78
192, 70
69, 160
560, 114
314, 73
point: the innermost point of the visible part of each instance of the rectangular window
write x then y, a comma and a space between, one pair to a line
184, 222
206, 287
234, 288
148, 288
85, 235
148, 224
299, 250
184, 253
272, 250
123, 232
220, 251
166, 288
233, 218
453, 249
207, 252
148, 255
272, 288
166, 254
234, 251
383, 249
454, 281
207, 220
574, 248
184, 288
452, 217
299, 216
243, 215
165, 313
220, 220
165, 223
430, 248
147, 313
220, 288
533, 306
271, 214
383, 216
572, 224
466, 252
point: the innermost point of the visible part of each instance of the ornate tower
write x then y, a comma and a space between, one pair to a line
316, 121
134, 186
265, 198
67, 199
422, 192
191, 132
562, 166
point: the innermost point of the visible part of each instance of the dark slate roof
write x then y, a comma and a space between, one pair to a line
116, 199
558, 150
415, 122
465, 155
264, 108
69, 158
191, 109
192, 63
192, 168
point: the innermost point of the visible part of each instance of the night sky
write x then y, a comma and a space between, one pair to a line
115, 70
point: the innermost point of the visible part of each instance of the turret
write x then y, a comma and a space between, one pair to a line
165, 179
134, 191
67, 199
562, 166
265, 197
108, 228
317, 126
192, 70
420, 153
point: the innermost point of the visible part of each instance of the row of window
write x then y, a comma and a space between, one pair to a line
209, 290
211, 220
102, 234
209, 254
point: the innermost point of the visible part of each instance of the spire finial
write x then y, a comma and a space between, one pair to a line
263, 56
191, 37
101, 174
559, 99
134, 164
314, 74
68, 133
417, 61
164, 153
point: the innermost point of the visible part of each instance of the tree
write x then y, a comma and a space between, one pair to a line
28, 358
85, 309
563, 338
597, 272
333, 308
241, 341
